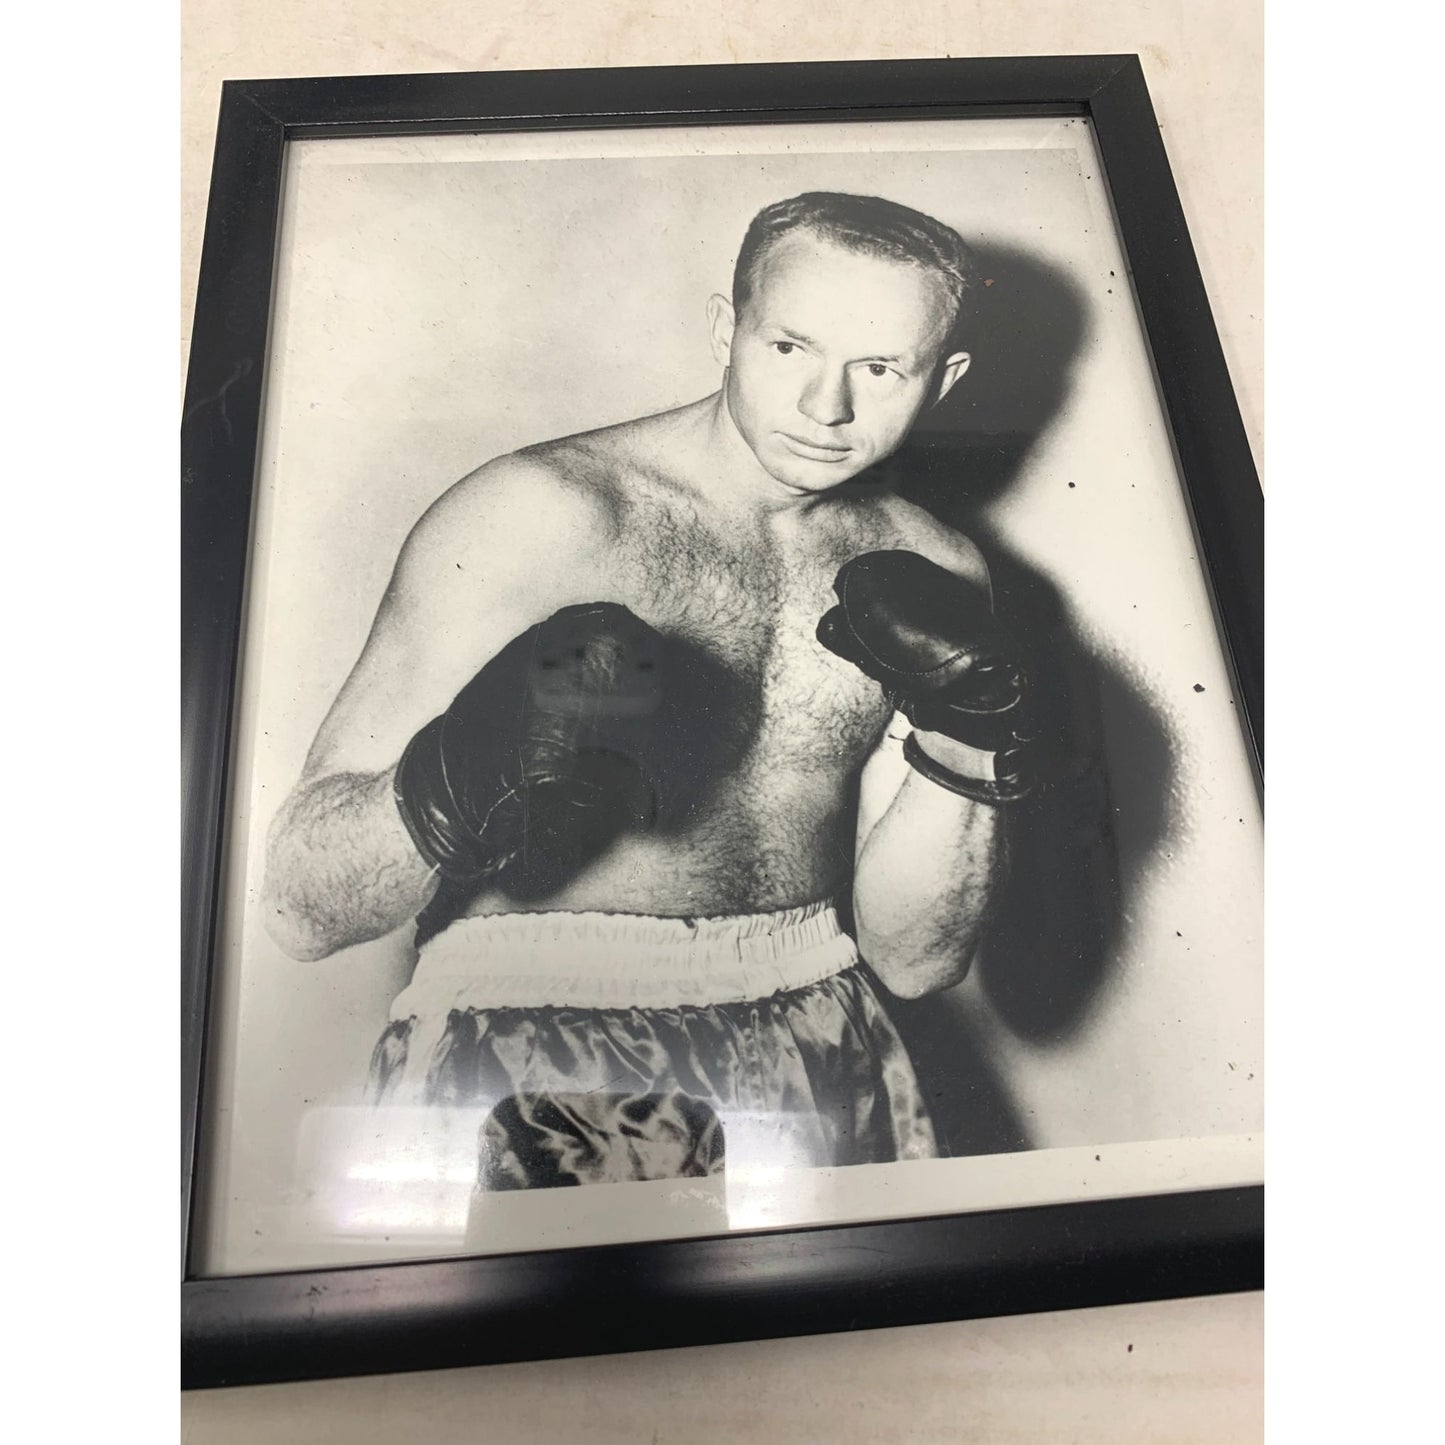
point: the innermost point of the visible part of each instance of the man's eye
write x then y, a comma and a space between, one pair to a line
876, 368
784, 348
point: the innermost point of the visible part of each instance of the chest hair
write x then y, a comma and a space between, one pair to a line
751, 601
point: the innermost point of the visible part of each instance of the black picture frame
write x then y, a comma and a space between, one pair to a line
353, 1320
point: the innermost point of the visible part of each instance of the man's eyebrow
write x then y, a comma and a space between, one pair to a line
808, 341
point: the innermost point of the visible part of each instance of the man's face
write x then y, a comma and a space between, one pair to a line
833, 358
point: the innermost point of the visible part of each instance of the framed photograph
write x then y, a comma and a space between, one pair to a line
722, 739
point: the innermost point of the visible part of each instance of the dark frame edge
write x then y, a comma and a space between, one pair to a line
504, 1309
250, 1329
440, 101
220, 435
1220, 481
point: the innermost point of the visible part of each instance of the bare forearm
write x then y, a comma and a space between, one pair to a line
341, 867
927, 885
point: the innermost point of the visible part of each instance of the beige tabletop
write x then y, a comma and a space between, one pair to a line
1179, 1371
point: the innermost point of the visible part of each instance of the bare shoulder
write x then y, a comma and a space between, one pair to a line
535, 513
543, 496
922, 532
613, 458
500, 550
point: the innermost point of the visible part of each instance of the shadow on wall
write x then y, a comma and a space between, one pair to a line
1058, 932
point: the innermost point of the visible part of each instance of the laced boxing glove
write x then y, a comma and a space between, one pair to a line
930, 640
538, 758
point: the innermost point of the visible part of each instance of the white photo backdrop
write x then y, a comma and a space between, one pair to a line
442, 300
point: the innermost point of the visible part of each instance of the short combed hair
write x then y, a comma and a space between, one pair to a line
867, 225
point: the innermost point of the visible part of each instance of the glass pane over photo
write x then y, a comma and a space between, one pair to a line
678, 1008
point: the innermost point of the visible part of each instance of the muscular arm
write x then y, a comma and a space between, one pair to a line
501, 550
340, 866
930, 865
930, 869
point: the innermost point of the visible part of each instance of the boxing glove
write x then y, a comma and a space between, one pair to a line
541, 756
930, 640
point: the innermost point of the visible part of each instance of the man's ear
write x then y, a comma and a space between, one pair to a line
721, 322
953, 367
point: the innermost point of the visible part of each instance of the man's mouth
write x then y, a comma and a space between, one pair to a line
814, 451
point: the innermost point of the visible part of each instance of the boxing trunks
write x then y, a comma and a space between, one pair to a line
615, 1047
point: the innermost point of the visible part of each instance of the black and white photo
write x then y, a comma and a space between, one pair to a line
730, 713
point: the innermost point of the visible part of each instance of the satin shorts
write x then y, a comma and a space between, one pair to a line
615, 1047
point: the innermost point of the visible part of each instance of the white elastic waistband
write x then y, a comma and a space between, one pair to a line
623, 960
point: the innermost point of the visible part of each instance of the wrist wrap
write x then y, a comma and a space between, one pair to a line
1014, 787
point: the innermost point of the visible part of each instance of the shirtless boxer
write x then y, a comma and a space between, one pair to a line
639, 704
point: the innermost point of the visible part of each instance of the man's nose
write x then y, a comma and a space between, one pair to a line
826, 400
